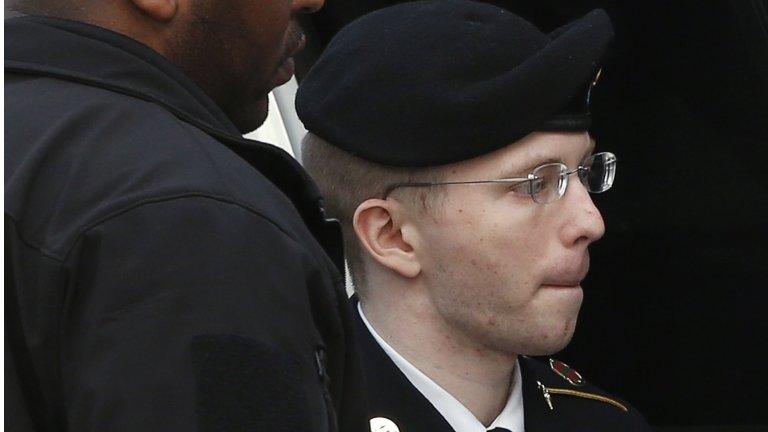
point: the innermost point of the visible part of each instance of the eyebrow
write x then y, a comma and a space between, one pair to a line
523, 172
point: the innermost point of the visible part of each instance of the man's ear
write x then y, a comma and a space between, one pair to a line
159, 10
379, 227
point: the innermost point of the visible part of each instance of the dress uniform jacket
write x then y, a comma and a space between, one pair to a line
551, 403
162, 272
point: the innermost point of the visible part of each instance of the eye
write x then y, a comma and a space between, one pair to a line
538, 184
528, 187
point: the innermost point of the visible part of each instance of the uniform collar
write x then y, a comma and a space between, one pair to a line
456, 414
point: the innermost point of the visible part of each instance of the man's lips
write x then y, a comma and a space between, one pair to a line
287, 68
573, 284
297, 41
569, 277
299, 44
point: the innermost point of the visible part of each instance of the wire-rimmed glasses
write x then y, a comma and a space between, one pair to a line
548, 182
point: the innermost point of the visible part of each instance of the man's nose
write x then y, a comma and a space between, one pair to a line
583, 223
307, 6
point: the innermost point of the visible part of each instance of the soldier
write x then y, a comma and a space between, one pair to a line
450, 138
162, 272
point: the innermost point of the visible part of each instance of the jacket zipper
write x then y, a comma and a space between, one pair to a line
547, 392
325, 381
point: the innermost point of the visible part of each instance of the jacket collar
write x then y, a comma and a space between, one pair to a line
106, 59
41, 46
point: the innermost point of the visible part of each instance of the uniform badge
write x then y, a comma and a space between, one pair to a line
382, 424
566, 372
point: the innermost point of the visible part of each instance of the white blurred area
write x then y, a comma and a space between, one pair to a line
282, 127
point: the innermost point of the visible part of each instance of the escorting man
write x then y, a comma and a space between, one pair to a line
162, 272
450, 138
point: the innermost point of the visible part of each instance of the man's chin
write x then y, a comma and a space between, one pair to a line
551, 341
251, 117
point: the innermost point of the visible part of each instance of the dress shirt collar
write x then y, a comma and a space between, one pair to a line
456, 414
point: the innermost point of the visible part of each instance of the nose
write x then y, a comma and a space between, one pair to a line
583, 223
307, 6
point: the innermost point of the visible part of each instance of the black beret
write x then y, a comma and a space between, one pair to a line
434, 82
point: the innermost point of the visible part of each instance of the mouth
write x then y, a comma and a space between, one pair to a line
562, 285
286, 69
570, 277
284, 72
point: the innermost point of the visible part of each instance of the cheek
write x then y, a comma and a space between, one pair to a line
494, 260
512, 249
492, 235
262, 41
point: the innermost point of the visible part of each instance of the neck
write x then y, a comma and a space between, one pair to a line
476, 376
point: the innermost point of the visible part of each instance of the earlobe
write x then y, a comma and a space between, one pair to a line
380, 231
160, 10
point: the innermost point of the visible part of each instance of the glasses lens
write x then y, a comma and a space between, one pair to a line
549, 182
599, 172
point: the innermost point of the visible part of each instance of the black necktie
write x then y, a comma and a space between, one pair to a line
499, 430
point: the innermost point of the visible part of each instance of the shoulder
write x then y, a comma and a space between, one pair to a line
554, 391
86, 153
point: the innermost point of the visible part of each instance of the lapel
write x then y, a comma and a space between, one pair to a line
538, 416
390, 394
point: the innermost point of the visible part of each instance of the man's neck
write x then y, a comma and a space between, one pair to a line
477, 377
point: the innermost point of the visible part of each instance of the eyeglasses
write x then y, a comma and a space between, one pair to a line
548, 182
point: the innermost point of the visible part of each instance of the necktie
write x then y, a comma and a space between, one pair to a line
498, 429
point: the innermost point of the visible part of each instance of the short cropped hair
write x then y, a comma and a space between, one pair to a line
346, 181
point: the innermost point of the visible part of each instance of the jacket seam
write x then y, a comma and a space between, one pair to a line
23, 68
154, 200
31, 244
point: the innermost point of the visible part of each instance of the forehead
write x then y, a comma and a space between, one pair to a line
520, 157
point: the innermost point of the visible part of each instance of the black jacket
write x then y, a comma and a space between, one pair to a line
162, 272
582, 408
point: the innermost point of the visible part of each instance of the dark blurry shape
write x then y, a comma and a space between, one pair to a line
673, 316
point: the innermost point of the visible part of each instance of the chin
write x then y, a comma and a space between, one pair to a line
251, 117
560, 336
549, 339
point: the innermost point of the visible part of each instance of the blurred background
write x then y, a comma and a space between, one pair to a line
674, 318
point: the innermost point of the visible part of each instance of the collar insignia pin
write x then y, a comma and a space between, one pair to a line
383, 424
566, 372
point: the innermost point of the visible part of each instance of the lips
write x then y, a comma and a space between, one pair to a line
287, 68
574, 284
569, 276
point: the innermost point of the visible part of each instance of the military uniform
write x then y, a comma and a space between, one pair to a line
438, 82
555, 397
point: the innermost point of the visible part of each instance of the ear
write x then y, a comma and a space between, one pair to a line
160, 10
380, 229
